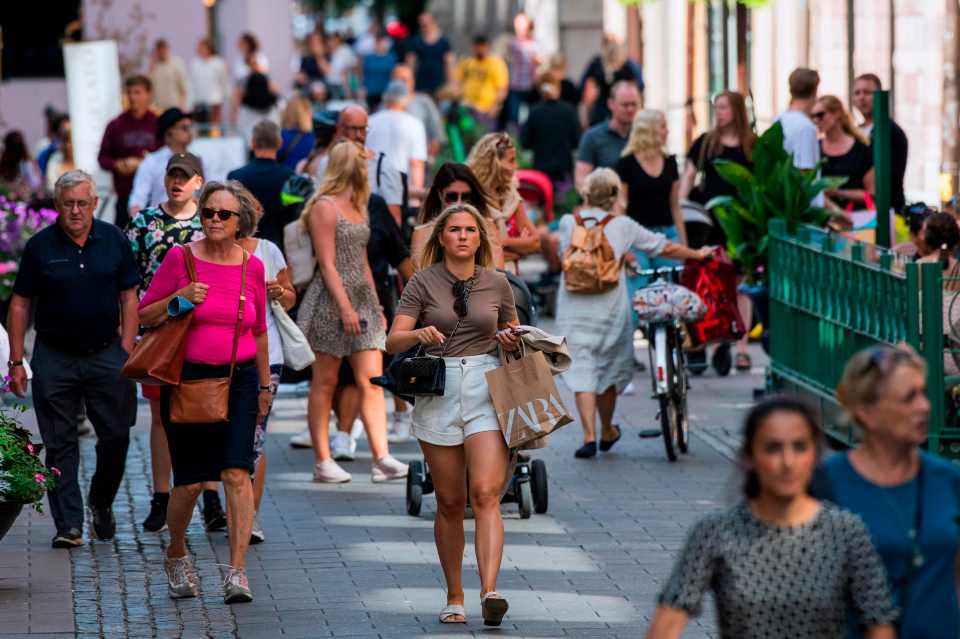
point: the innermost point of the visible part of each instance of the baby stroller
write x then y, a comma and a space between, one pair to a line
700, 228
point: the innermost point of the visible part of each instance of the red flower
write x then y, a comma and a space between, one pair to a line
40, 478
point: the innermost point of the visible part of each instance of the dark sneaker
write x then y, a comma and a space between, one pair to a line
181, 578
157, 519
213, 516
236, 588
104, 525
72, 538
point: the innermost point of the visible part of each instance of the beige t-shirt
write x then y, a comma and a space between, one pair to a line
428, 298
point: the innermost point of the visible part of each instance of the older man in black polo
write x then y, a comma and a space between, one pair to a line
80, 278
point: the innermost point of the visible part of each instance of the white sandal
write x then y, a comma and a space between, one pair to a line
452, 610
494, 607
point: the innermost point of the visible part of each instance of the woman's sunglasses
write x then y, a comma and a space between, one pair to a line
223, 214
454, 197
460, 294
817, 115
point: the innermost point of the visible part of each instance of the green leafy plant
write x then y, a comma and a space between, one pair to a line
23, 477
775, 188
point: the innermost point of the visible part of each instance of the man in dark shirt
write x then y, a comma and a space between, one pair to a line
81, 278
264, 177
552, 132
127, 138
602, 144
863, 88
430, 55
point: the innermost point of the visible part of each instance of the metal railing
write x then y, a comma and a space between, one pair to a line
831, 297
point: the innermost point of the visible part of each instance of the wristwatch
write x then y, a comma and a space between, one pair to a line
14, 364
268, 387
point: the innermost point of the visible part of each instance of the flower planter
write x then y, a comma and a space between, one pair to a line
8, 514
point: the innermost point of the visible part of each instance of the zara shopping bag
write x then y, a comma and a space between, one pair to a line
525, 397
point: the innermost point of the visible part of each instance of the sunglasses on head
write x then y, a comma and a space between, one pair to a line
885, 359
453, 197
223, 214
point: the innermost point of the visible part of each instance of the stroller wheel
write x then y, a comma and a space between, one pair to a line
415, 476
538, 485
697, 361
525, 499
722, 360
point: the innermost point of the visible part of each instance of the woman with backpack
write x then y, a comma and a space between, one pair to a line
596, 319
255, 97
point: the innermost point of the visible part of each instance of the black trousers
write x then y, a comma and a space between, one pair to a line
62, 384
123, 216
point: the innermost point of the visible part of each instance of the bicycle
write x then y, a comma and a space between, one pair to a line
668, 373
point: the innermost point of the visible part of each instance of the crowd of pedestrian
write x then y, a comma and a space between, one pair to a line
383, 254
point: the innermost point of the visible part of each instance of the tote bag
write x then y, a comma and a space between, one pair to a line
297, 353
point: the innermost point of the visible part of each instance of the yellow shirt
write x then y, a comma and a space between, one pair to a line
481, 80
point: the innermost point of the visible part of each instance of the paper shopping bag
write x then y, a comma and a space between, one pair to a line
526, 399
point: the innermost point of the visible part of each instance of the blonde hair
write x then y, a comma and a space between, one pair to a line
346, 169
433, 250
485, 162
601, 188
833, 104
298, 114
645, 133
866, 374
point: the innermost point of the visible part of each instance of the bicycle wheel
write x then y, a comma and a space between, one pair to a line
683, 426
668, 424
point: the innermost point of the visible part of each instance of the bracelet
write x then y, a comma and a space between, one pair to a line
14, 364
266, 388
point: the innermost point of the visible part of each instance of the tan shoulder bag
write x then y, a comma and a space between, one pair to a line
207, 401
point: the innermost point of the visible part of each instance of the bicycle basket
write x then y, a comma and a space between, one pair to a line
664, 300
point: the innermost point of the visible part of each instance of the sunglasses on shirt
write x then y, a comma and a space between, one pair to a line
223, 214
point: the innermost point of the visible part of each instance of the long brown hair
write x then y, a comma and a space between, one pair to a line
433, 251
447, 174
833, 104
712, 145
484, 161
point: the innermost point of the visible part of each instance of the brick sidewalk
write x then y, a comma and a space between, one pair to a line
346, 560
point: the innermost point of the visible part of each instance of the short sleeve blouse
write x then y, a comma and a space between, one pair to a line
428, 298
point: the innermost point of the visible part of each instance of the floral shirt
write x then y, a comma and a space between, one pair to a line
152, 233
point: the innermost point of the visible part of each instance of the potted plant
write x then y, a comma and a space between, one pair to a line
775, 188
24, 480
18, 223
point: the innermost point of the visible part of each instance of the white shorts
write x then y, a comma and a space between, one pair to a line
464, 409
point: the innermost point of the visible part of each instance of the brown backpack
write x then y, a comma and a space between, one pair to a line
589, 263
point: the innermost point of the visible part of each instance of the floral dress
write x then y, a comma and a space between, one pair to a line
152, 233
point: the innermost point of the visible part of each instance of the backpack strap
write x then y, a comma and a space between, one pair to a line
601, 223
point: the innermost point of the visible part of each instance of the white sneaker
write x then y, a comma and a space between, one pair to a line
343, 447
630, 389
329, 472
386, 469
357, 431
399, 430
302, 439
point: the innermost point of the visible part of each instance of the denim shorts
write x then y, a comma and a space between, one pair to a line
464, 409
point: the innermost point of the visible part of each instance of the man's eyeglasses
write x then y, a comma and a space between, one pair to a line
223, 214
455, 197
356, 130
69, 205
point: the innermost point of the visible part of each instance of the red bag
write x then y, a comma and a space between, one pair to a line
715, 282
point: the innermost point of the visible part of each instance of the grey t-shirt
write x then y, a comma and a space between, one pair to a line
428, 297
601, 146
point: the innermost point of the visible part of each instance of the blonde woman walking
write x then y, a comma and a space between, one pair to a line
340, 313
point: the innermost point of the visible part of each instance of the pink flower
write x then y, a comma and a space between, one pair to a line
30, 449
55, 470
40, 477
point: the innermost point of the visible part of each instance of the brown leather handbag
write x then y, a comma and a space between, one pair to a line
207, 401
157, 358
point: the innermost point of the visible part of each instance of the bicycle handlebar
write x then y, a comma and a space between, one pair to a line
666, 270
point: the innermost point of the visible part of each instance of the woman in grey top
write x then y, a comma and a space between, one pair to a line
780, 563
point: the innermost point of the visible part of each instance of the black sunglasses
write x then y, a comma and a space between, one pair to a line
817, 115
453, 197
223, 214
461, 292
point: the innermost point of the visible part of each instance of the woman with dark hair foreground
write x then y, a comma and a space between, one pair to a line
780, 563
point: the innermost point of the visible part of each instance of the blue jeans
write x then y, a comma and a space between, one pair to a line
645, 262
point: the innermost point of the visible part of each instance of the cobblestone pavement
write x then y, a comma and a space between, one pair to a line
347, 560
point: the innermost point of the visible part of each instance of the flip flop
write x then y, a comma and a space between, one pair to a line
494, 607
605, 444
453, 610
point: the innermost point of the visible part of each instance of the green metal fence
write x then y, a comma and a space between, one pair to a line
831, 297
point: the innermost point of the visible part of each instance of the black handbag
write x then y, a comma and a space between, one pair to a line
424, 374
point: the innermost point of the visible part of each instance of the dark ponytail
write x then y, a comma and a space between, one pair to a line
941, 234
756, 418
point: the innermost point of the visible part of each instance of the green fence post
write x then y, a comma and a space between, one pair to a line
931, 309
881, 164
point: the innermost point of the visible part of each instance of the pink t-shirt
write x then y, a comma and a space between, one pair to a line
210, 337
